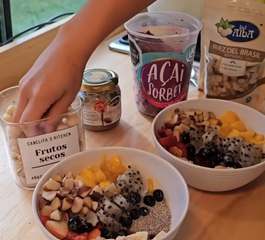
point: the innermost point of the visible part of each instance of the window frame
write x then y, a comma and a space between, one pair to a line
5, 22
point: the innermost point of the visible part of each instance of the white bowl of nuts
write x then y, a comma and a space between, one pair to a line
109, 193
31, 147
216, 145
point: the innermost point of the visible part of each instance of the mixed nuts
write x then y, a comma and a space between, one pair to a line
14, 132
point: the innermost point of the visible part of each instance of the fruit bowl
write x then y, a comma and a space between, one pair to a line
172, 183
212, 179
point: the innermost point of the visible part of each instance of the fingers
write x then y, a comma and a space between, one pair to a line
58, 108
21, 105
33, 111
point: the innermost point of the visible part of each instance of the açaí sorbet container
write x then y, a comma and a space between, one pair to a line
31, 149
162, 46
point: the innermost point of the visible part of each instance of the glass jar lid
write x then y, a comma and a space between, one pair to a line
99, 80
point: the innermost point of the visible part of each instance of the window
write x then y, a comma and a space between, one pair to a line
20, 17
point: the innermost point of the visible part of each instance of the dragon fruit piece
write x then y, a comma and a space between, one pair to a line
132, 181
263, 153
233, 148
215, 129
122, 202
196, 138
250, 154
111, 190
109, 223
209, 139
110, 208
230, 142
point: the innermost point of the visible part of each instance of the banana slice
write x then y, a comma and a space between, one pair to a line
160, 235
137, 236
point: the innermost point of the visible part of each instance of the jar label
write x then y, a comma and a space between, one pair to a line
40, 153
102, 112
162, 67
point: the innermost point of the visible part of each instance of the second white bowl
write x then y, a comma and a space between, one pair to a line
210, 179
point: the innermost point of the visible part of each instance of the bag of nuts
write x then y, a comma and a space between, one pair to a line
233, 52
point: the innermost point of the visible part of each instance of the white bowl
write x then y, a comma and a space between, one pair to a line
208, 179
172, 183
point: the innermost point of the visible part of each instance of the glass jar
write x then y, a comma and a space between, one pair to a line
31, 149
101, 97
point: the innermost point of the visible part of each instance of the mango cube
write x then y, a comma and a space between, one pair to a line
247, 135
100, 176
150, 184
234, 133
229, 117
238, 125
225, 130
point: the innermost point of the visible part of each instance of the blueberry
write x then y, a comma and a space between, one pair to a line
87, 227
237, 165
149, 200
191, 150
228, 158
122, 232
228, 161
112, 235
185, 137
75, 224
219, 158
143, 211
213, 151
135, 198
204, 153
158, 195
104, 232
135, 214
126, 221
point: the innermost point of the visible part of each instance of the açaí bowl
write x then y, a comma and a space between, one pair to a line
165, 176
209, 179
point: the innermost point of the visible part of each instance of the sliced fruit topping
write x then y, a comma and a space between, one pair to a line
169, 141
183, 148
44, 219
57, 229
93, 234
150, 184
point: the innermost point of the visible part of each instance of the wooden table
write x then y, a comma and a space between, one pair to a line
235, 215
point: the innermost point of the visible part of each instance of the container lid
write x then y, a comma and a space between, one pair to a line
99, 80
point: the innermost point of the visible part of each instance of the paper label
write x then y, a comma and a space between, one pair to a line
41, 152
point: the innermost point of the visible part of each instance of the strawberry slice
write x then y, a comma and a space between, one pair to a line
169, 141
57, 229
75, 236
44, 219
183, 148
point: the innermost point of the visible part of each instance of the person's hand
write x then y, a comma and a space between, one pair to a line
49, 88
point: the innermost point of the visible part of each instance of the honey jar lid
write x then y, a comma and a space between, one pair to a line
99, 80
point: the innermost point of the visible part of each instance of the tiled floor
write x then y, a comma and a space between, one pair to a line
26, 13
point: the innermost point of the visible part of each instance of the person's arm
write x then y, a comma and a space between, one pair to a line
94, 22
54, 80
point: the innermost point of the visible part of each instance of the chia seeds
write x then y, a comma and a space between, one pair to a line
158, 219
